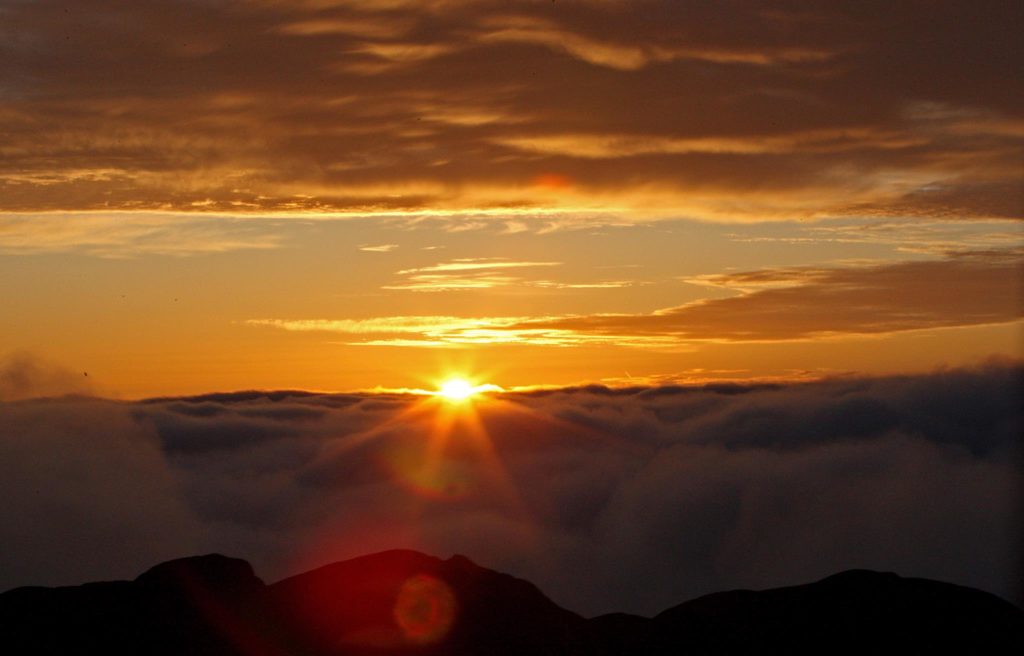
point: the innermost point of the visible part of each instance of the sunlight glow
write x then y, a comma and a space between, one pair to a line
460, 390
457, 389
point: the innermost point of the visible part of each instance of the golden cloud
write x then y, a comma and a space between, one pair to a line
796, 303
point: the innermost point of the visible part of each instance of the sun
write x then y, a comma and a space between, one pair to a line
457, 389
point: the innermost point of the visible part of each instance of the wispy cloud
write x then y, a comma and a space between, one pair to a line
790, 303
965, 289
390, 325
119, 235
604, 284
378, 248
487, 273
24, 375
475, 264
928, 237
457, 332
464, 273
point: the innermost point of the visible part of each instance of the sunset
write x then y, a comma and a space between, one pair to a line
636, 301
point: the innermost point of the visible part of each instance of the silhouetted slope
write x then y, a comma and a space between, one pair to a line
622, 633
404, 602
353, 604
854, 612
189, 606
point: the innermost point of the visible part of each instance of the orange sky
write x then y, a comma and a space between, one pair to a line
345, 195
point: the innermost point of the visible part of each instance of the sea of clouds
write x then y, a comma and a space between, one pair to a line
630, 500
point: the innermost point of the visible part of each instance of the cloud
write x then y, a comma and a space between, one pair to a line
968, 288
476, 264
23, 376
88, 494
454, 332
386, 325
609, 499
610, 146
626, 56
465, 273
119, 235
736, 112
934, 238
963, 289
378, 248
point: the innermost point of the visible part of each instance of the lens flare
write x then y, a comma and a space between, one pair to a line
425, 609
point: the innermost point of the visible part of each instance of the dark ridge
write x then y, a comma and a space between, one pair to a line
854, 612
226, 577
407, 603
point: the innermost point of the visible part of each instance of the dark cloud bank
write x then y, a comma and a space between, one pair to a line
608, 499
732, 109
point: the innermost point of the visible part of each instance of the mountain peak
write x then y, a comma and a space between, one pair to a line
854, 576
214, 569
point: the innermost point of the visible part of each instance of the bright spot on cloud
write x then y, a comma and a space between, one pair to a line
552, 181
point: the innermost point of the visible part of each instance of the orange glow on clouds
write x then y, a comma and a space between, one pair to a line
552, 181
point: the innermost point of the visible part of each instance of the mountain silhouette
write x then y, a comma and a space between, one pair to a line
407, 603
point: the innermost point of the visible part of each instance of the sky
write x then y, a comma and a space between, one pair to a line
333, 195
802, 212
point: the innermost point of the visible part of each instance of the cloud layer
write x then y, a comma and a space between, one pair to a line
731, 111
629, 499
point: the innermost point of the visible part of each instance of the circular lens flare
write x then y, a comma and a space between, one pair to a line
425, 609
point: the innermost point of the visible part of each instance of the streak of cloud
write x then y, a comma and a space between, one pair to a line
466, 273
118, 235
378, 248
969, 288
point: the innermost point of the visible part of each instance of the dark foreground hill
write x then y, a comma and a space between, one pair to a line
404, 602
